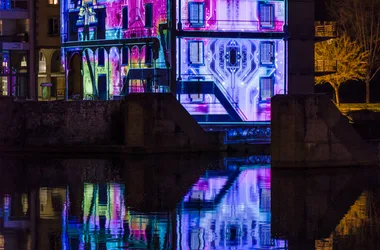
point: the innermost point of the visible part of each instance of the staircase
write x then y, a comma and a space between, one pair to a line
210, 87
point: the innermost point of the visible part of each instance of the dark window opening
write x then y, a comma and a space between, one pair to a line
125, 17
124, 56
53, 29
148, 15
148, 55
101, 58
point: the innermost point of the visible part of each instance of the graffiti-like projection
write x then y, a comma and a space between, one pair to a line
125, 46
113, 68
231, 76
109, 20
233, 15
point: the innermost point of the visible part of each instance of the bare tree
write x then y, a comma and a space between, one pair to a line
360, 19
343, 56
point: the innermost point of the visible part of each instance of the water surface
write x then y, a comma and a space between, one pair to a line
184, 202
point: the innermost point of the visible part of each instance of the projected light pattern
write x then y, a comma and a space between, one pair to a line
233, 15
5, 5
119, 18
247, 72
235, 78
241, 220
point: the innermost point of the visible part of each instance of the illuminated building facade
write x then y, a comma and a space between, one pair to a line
16, 49
30, 46
224, 60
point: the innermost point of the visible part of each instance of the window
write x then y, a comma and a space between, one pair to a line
196, 14
266, 15
101, 57
53, 29
266, 89
266, 53
125, 17
53, 2
148, 15
148, 55
124, 56
42, 64
196, 53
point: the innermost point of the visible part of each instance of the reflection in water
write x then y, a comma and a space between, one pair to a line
226, 207
227, 210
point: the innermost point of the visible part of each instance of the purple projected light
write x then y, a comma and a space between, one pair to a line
247, 72
241, 220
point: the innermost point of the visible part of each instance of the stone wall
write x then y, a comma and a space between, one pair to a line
61, 123
310, 131
142, 123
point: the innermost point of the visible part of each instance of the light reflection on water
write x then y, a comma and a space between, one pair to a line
226, 207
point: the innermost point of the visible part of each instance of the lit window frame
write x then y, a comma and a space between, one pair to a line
200, 22
273, 48
266, 24
199, 62
53, 2
271, 88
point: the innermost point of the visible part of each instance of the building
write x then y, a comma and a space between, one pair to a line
224, 60
51, 76
16, 49
30, 61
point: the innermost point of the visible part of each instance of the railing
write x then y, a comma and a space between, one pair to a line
234, 25
325, 29
120, 34
138, 32
15, 38
325, 66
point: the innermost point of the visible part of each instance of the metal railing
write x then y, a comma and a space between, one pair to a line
15, 38
325, 29
234, 25
325, 66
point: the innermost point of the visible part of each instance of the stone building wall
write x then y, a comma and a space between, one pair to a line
61, 123
141, 123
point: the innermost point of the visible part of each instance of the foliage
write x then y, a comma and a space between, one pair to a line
348, 58
361, 21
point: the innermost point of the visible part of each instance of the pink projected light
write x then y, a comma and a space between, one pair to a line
235, 15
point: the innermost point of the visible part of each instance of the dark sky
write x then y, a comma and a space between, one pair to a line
321, 10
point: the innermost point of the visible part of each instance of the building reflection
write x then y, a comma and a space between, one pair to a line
235, 206
224, 209
229, 210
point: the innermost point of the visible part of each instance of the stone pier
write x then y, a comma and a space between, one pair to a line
310, 131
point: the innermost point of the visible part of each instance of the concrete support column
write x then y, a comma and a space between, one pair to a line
300, 47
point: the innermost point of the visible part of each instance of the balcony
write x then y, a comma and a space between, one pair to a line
14, 9
15, 38
325, 30
325, 67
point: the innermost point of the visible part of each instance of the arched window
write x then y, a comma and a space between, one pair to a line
42, 63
